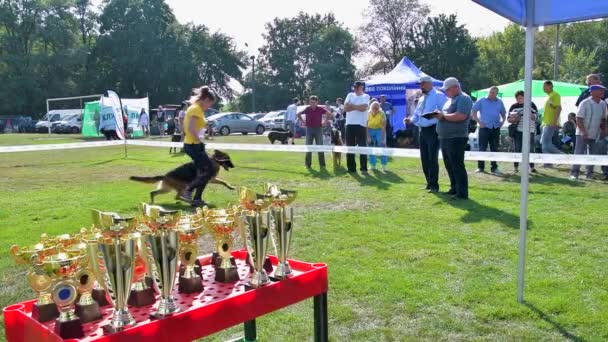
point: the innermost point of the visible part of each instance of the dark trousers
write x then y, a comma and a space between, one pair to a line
429, 155
314, 136
489, 136
342, 128
519, 145
110, 134
356, 135
203, 165
453, 158
390, 141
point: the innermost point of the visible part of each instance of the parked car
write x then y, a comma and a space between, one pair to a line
16, 124
226, 123
53, 116
274, 119
257, 116
70, 124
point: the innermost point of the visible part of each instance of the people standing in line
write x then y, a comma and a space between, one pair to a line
592, 79
453, 131
291, 115
431, 101
516, 116
388, 110
553, 108
194, 122
144, 122
376, 133
341, 118
591, 129
160, 120
314, 128
356, 106
490, 114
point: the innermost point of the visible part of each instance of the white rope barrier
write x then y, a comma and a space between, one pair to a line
50, 147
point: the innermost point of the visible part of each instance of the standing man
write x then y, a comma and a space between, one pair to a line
591, 128
453, 131
160, 120
490, 114
356, 105
290, 119
387, 107
430, 102
314, 128
144, 122
553, 108
593, 79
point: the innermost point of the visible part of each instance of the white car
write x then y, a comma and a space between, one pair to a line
53, 116
274, 119
69, 124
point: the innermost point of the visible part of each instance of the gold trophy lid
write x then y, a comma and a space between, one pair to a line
279, 197
112, 225
62, 264
91, 235
250, 200
23, 255
157, 217
190, 224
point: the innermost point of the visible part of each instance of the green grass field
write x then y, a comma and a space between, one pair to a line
403, 265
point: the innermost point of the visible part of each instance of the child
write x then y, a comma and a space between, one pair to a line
376, 133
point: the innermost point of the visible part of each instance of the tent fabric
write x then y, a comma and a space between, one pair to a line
394, 85
547, 12
509, 89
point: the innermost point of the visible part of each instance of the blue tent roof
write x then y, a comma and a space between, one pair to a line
405, 75
548, 12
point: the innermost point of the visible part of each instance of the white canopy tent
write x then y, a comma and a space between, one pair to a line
532, 14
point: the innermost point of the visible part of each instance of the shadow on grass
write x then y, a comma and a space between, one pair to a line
560, 328
268, 169
382, 181
541, 178
477, 212
323, 174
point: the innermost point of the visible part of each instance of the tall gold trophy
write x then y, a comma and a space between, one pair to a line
44, 309
118, 251
91, 238
163, 249
142, 294
221, 223
190, 279
281, 226
255, 233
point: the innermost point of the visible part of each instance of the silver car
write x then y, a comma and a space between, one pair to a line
226, 123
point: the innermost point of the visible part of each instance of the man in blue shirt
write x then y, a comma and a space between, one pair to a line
430, 102
490, 114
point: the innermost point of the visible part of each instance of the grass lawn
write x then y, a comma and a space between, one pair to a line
403, 265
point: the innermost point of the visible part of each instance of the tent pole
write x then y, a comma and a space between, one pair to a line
525, 160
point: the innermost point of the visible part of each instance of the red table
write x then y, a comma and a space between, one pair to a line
218, 307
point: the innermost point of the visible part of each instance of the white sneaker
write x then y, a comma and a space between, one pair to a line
573, 178
384, 168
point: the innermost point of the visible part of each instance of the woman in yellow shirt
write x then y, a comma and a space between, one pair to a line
194, 122
376, 133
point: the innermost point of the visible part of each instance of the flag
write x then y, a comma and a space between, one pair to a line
113, 101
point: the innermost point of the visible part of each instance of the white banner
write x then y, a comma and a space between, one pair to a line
113, 101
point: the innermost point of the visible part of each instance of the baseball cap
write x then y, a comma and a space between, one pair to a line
359, 84
597, 87
425, 79
449, 83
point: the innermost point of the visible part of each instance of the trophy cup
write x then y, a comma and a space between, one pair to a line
62, 268
190, 279
141, 292
44, 309
221, 224
118, 252
281, 226
252, 202
256, 233
163, 248
91, 239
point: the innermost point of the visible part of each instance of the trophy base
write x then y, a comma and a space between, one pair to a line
69, 329
99, 295
216, 260
44, 313
227, 275
88, 313
190, 285
197, 269
267, 265
142, 298
158, 315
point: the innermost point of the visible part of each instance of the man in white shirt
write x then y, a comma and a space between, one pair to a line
290, 119
355, 106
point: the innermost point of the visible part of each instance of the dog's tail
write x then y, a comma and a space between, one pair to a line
147, 179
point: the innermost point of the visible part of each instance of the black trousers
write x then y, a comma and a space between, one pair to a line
488, 136
203, 165
429, 155
453, 158
110, 134
356, 135
518, 141
390, 140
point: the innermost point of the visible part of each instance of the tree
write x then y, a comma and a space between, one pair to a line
576, 64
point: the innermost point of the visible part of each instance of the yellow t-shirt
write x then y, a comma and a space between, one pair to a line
553, 101
376, 121
194, 112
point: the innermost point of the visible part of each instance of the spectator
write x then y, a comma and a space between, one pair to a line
388, 110
491, 117
591, 128
453, 131
430, 102
290, 119
592, 79
108, 125
356, 106
314, 130
516, 116
96, 118
144, 122
181, 116
341, 117
125, 121
569, 130
160, 120
376, 133
553, 108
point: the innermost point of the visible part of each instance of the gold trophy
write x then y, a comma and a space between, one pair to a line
142, 294
281, 226
253, 202
44, 309
190, 279
163, 249
91, 238
62, 268
118, 251
221, 224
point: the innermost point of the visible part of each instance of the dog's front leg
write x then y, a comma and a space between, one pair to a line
221, 182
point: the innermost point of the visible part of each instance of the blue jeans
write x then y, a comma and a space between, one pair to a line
376, 141
546, 140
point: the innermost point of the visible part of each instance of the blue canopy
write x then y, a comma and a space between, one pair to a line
547, 12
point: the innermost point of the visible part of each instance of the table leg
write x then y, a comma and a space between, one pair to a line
320, 303
250, 331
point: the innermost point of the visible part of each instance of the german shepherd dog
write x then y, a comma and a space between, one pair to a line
179, 178
336, 140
